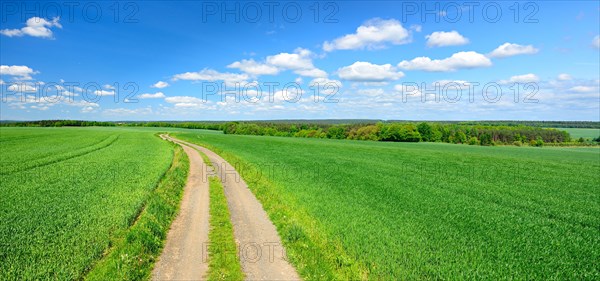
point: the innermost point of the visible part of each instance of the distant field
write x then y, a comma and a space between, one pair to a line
65, 193
582, 133
424, 210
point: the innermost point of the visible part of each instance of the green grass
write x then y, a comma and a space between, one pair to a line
66, 193
368, 210
133, 254
224, 263
223, 255
577, 133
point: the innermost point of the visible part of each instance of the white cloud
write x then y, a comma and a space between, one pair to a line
44, 103
254, 68
36, 27
368, 72
2, 82
314, 72
408, 90
157, 95
324, 81
128, 111
461, 84
442, 38
104, 93
583, 89
108, 87
525, 78
300, 62
160, 85
564, 77
510, 49
22, 88
212, 75
183, 99
300, 59
188, 102
374, 34
596, 42
22, 72
457, 61
371, 92
87, 109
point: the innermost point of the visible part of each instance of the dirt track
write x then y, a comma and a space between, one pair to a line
261, 251
184, 256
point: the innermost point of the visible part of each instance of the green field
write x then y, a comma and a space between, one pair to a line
90, 203
582, 133
353, 209
67, 193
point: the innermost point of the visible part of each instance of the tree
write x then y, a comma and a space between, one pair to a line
426, 131
460, 137
485, 139
336, 132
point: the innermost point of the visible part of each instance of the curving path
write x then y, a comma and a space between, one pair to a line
184, 256
262, 254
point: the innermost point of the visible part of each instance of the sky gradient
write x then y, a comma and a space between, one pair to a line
300, 60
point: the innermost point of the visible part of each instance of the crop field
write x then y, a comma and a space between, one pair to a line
583, 133
66, 193
377, 210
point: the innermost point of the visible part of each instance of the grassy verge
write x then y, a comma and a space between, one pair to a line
315, 255
224, 263
133, 253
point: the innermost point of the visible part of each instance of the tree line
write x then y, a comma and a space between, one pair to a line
472, 132
408, 132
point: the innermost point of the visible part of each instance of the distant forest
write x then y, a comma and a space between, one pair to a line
533, 133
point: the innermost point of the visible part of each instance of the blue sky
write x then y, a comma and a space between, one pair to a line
378, 60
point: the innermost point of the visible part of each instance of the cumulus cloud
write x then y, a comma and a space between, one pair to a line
212, 75
458, 84
525, 78
21, 72
374, 34
160, 85
457, 61
583, 89
128, 111
324, 81
368, 72
300, 62
104, 93
254, 68
157, 95
442, 38
46, 102
564, 77
596, 42
510, 49
22, 88
36, 27
313, 72
188, 102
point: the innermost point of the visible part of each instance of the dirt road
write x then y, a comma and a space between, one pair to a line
184, 256
262, 254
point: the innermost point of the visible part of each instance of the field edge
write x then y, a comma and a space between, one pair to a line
133, 253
